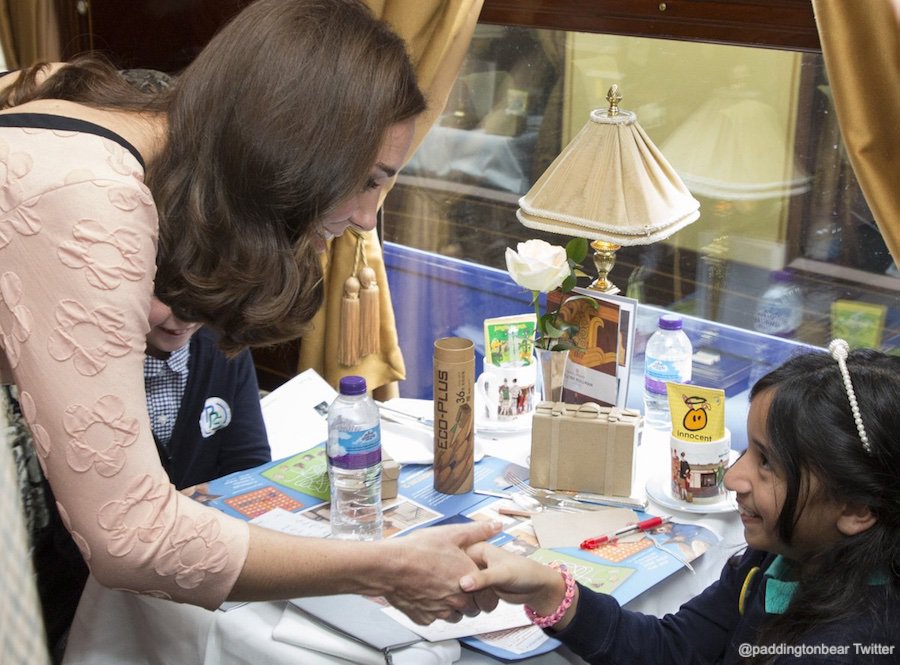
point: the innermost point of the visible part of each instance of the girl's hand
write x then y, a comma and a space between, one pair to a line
517, 580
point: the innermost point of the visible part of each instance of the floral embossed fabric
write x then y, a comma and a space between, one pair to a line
16, 214
105, 257
136, 518
179, 557
77, 261
20, 328
104, 322
117, 431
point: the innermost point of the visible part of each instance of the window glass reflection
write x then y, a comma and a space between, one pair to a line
751, 131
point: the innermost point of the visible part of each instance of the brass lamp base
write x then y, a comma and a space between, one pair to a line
604, 259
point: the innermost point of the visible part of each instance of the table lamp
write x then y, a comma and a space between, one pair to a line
612, 185
734, 150
735, 147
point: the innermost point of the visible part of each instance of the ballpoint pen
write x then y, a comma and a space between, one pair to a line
645, 525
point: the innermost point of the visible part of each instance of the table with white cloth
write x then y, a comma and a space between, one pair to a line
488, 160
119, 628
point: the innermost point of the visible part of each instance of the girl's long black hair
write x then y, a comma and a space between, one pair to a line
812, 432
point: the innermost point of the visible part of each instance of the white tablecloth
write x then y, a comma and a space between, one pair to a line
488, 160
118, 628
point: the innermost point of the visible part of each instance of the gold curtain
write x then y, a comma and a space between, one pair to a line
437, 33
29, 31
6, 36
861, 47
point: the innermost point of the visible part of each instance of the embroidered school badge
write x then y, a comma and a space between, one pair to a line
216, 415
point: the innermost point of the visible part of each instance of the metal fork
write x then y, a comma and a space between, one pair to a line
582, 501
548, 497
529, 501
551, 502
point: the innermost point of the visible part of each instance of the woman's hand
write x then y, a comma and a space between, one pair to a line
518, 580
431, 562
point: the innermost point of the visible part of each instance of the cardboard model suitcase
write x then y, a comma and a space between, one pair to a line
584, 447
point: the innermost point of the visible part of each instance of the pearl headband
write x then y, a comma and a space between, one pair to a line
839, 351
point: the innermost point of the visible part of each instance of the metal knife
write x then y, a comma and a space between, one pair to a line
614, 501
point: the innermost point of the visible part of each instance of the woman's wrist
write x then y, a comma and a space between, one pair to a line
385, 568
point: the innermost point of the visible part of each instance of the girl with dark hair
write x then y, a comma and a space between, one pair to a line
217, 195
819, 497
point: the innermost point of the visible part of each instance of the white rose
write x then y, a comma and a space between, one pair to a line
538, 265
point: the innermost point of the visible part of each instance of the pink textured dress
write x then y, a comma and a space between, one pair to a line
78, 233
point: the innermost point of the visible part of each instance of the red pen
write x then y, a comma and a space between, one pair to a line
646, 525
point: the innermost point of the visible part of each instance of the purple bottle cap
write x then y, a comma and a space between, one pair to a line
352, 385
670, 322
781, 276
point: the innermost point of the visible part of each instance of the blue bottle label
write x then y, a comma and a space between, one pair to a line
355, 450
773, 318
658, 372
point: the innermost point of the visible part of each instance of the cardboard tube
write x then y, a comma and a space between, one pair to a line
454, 415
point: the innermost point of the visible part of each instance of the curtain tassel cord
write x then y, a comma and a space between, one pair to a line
349, 346
369, 313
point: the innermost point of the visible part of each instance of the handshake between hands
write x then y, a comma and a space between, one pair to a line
449, 572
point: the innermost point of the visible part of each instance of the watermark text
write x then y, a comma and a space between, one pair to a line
798, 650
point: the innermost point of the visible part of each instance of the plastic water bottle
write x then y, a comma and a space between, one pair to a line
354, 463
780, 309
667, 358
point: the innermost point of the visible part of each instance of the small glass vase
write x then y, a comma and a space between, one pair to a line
552, 370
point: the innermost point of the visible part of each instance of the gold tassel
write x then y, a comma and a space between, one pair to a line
348, 353
369, 313
360, 309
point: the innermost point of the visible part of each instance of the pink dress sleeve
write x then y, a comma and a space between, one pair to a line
78, 235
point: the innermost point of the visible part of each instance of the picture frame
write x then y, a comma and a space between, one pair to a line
599, 369
509, 340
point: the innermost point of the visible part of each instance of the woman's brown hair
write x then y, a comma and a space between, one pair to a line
88, 79
278, 119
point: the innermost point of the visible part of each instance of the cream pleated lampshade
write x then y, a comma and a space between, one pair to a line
735, 148
610, 183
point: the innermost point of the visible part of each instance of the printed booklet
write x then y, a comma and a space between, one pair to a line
292, 495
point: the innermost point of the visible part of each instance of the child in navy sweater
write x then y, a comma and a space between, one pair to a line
819, 498
204, 407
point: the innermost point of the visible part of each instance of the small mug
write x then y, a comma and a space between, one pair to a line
507, 392
698, 469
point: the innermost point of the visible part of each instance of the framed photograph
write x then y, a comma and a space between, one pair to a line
599, 370
509, 340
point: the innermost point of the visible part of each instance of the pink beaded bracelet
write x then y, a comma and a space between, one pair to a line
553, 619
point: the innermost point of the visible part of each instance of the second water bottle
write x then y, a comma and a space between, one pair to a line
667, 358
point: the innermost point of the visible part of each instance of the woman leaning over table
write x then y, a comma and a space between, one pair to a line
277, 138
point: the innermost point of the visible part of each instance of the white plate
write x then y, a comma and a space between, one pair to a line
420, 412
484, 425
413, 443
659, 490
